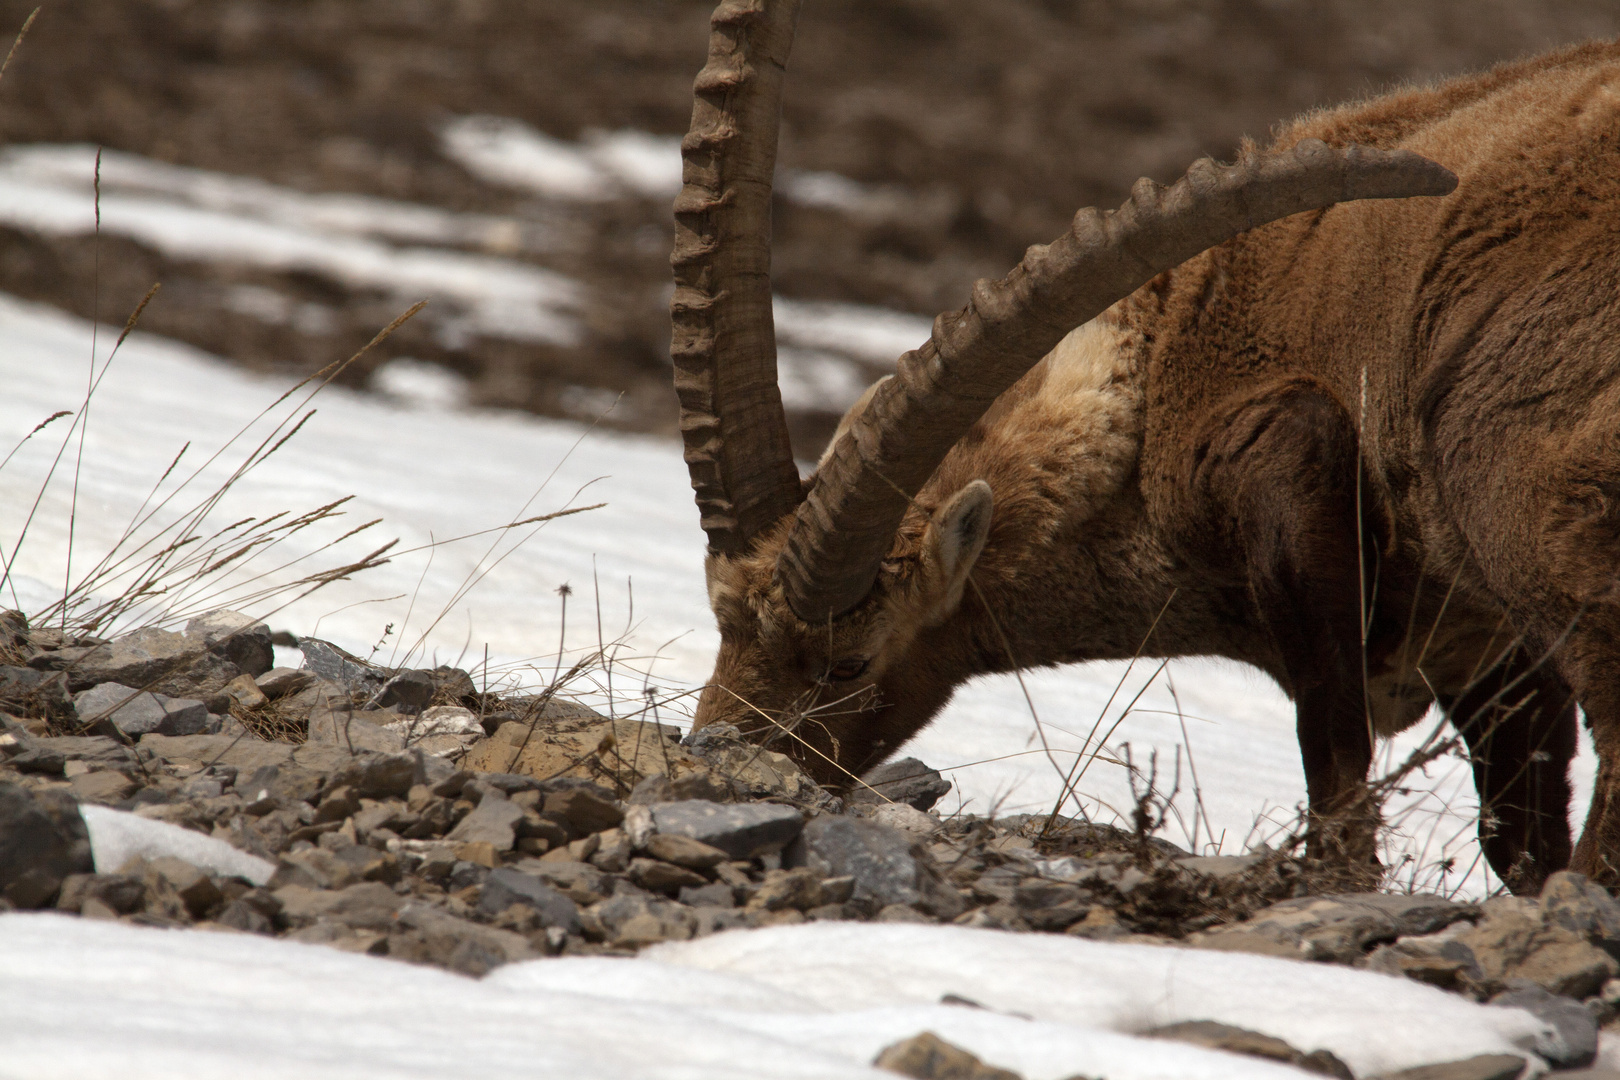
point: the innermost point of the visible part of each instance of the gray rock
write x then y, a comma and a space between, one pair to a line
347, 670
881, 860
1514, 941
505, 887
904, 781
122, 894
631, 920
370, 905
27, 692
333, 720
929, 1057
42, 841
1569, 901
137, 712
427, 935
1484, 1067
583, 811
410, 692
241, 639
96, 750
281, 682
741, 830
162, 659
1236, 1040
1221, 868
719, 894
1337, 928
1577, 1029
493, 821
584, 883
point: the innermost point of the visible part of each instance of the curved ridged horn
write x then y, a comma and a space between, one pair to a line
845, 527
724, 343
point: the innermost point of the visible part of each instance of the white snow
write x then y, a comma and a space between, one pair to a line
814, 1001
116, 837
1374, 1023
189, 214
605, 165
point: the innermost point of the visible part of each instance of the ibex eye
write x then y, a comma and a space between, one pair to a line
850, 667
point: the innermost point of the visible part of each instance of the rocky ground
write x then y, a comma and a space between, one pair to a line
406, 814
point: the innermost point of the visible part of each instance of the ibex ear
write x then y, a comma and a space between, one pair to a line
952, 544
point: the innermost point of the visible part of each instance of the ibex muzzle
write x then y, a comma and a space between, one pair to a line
1372, 447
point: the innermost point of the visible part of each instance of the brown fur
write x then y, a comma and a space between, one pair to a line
1407, 408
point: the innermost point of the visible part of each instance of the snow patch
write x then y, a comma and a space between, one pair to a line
116, 837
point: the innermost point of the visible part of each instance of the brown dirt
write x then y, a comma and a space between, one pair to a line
997, 119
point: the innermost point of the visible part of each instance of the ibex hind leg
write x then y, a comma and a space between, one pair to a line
1279, 471
1518, 720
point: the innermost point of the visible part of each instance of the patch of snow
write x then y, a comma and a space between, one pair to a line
812, 379
1373, 1023
419, 383
50, 190
116, 837
815, 1001
873, 334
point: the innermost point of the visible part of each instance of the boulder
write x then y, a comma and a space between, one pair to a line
906, 781
42, 841
137, 712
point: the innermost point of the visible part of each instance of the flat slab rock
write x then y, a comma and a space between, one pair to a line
1337, 928
741, 830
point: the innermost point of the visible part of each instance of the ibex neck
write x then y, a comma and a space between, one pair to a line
1071, 570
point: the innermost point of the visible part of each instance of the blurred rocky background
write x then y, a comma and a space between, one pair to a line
518, 159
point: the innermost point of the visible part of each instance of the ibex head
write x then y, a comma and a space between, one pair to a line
842, 601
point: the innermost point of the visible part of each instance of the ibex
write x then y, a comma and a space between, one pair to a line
1283, 412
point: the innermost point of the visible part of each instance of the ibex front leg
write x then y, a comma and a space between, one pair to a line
1277, 471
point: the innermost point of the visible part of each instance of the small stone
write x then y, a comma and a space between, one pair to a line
1236, 1040
906, 781
684, 851
741, 830
195, 888
478, 853
241, 639
583, 811
799, 889
583, 883
106, 786
28, 692
338, 804
1577, 1028
929, 1057
428, 935
658, 876
631, 921
138, 712
612, 852
716, 894
409, 691
245, 692
652, 789
1338, 928
369, 905
505, 887
42, 841
120, 894
906, 818
283, 682
1051, 905
1484, 1067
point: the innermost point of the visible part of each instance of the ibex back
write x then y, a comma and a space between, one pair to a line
1371, 447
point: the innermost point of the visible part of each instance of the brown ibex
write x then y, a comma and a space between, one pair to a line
1371, 447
